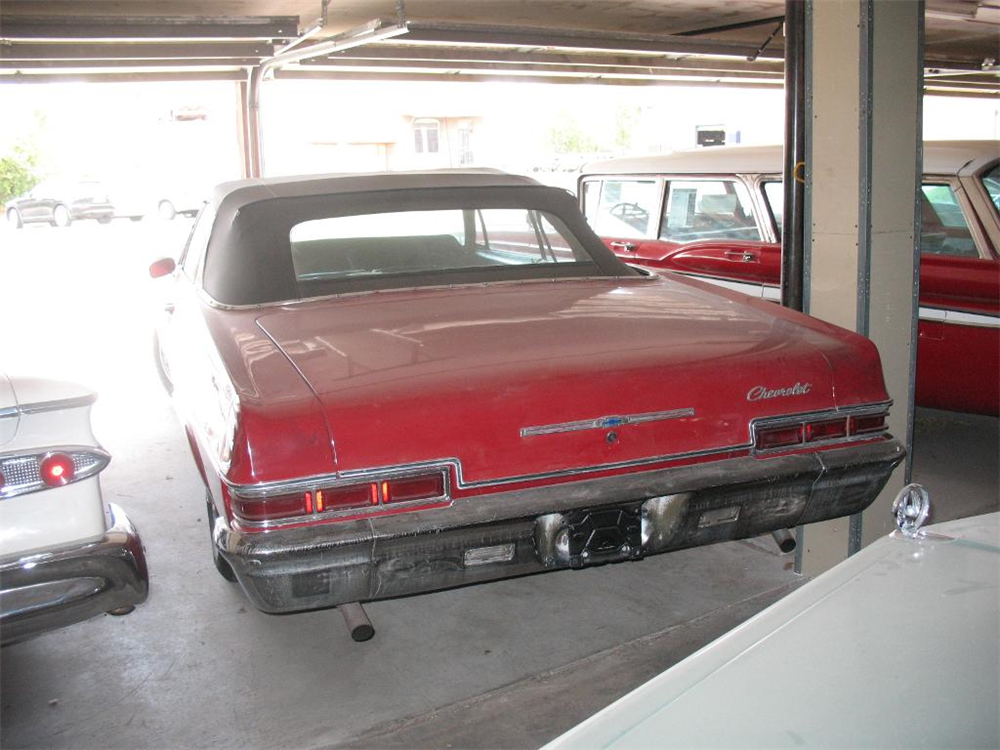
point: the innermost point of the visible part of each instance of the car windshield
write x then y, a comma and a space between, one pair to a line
416, 242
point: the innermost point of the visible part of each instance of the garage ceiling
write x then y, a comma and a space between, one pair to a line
636, 42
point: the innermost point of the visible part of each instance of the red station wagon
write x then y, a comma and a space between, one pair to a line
395, 383
715, 214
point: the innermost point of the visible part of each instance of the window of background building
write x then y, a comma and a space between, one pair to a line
425, 136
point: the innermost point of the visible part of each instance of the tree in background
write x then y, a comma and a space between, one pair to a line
567, 137
17, 173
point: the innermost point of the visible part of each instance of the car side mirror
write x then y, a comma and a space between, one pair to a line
162, 267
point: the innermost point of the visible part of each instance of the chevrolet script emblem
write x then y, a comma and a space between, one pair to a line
761, 393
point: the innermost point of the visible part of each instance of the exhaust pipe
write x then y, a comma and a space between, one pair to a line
357, 621
784, 539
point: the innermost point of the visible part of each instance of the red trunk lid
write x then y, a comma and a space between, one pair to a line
421, 375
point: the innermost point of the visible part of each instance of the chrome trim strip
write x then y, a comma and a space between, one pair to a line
453, 463
43, 406
352, 476
602, 423
956, 317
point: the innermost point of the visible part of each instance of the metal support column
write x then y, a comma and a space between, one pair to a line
792, 250
861, 197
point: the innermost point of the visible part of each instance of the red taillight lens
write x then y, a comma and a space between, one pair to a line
57, 469
413, 488
338, 498
770, 438
827, 430
868, 423
270, 508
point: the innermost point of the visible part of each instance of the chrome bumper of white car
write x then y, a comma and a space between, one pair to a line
54, 589
508, 534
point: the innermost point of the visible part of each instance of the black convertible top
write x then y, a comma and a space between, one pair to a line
233, 195
248, 259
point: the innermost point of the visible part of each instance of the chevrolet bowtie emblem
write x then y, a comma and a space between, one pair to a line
603, 423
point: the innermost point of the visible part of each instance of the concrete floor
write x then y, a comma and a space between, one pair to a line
509, 664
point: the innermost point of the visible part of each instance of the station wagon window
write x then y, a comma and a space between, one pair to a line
708, 210
991, 181
431, 241
943, 228
774, 194
623, 208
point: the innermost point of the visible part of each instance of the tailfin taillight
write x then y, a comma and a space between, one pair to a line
32, 471
255, 506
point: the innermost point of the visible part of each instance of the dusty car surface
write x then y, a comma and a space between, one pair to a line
898, 643
715, 214
61, 559
394, 383
60, 204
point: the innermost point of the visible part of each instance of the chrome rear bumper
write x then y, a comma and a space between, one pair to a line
54, 589
489, 537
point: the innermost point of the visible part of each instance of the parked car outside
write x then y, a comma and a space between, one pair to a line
61, 561
60, 204
396, 383
895, 647
170, 202
715, 214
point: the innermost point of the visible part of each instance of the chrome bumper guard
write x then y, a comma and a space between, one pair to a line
54, 589
507, 534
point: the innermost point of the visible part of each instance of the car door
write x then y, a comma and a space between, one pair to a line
704, 226
959, 330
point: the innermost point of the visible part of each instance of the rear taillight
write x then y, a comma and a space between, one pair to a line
815, 430
829, 429
867, 423
31, 471
321, 502
415, 488
270, 508
769, 438
57, 469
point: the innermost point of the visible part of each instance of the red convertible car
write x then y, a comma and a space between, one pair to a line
395, 383
716, 214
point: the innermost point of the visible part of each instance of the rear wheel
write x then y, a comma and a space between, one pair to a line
61, 217
14, 219
166, 210
104, 220
224, 568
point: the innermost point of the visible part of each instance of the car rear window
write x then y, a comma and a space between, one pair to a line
268, 248
415, 242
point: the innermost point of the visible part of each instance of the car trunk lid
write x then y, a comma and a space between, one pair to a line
522, 380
